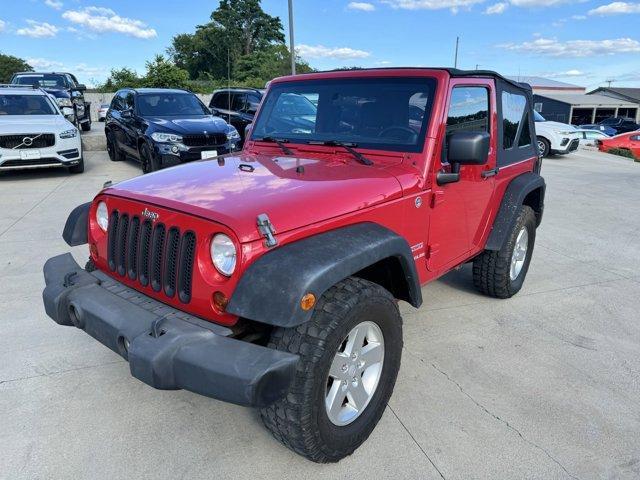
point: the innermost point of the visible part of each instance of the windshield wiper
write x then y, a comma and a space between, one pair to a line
280, 141
348, 146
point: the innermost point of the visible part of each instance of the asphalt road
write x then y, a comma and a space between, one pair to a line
544, 385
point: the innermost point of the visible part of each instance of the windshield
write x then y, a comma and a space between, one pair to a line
378, 113
171, 104
44, 80
610, 121
26, 105
538, 118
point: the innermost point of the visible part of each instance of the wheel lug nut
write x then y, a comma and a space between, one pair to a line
354, 355
344, 367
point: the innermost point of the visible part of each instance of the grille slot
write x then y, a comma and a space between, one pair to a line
145, 250
171, 262
113, 238
157, 249
121, 247
156, 255
17, 141
132, 248
187, 256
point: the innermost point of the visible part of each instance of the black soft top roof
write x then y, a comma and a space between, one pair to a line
454, 72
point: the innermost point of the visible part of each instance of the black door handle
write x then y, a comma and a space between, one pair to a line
490, 173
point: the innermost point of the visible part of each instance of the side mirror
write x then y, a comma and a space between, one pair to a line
464, 148
80, 87
126, 113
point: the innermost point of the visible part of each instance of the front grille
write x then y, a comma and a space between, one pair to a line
152, 254
202, 140
32, 140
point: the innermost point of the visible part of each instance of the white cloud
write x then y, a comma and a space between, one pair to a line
55, 4
579, 17
454, 5
552, 47
103, 20
3, 25
364, 6
44, 64
616, 8
496, 8
568, 73
38, 29
320, 51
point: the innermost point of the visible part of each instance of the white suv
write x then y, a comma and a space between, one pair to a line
555, 137
34, 133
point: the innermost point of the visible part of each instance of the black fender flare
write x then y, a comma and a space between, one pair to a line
76, 228
514, 196
271, 288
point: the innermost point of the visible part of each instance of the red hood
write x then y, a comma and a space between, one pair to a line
235, 190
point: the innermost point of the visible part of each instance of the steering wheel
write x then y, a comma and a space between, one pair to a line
409, 135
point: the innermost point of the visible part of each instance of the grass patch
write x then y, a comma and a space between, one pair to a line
623, 152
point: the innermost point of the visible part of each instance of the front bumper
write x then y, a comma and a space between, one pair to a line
570, 147
65, 153
183, 154
166, 348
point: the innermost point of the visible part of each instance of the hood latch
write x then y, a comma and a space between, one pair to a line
266, 229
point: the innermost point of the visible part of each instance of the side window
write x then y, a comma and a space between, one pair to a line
238, 102
221, 101
253, 102
513, 107
468, 110
116, 103
129, 100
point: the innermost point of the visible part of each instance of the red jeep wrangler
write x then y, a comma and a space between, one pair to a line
271, 277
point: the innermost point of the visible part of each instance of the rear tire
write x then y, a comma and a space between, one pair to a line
79, 168
499, 273
303, 420
112, 149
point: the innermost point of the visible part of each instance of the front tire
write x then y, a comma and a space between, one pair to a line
501, 273
350, 355
544, 147
148, 160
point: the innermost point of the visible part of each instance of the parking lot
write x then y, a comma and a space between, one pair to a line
544, 385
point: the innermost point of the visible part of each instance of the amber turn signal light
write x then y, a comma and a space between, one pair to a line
220, 301
308, 301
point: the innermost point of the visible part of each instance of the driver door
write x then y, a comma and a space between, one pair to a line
461, 210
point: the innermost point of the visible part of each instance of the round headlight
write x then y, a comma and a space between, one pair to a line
102, 216
223, 254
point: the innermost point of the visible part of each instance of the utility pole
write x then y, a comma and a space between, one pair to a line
291, 42
455, 60
610, 81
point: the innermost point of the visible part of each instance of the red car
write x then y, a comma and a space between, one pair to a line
625, 141
271, 277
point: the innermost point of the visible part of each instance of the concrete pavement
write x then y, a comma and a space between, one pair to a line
544, 385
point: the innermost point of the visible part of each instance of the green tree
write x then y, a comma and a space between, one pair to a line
162, 73
248, 27
263, 65
10, 65
121, 78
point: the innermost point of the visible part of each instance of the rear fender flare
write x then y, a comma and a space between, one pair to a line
272, 287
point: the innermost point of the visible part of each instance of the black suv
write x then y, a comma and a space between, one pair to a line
66, 89
162, 127
237, 106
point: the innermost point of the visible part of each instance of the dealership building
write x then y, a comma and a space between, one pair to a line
568, 103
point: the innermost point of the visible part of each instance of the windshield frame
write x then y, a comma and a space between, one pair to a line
149, 94
429, 82
43, 77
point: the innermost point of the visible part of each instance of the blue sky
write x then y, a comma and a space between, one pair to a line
583, 42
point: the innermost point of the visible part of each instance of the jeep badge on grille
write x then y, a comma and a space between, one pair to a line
153, 216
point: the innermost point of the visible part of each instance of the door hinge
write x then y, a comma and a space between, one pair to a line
265, 227
437, 198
